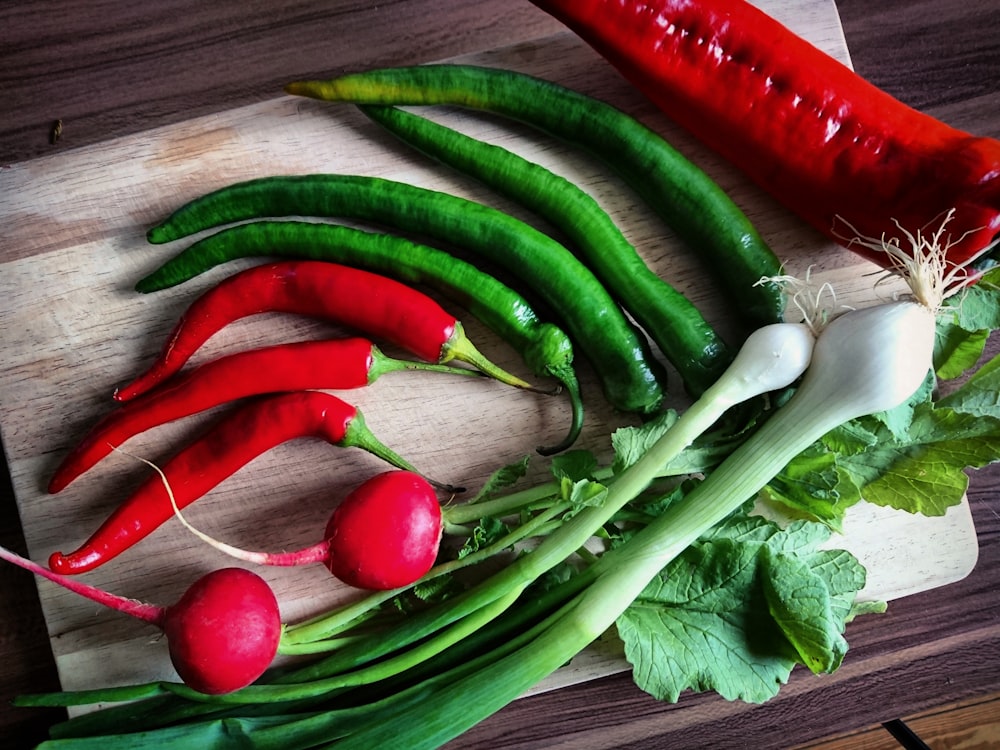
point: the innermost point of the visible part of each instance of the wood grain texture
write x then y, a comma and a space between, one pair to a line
931, 648
972, 725
110, 68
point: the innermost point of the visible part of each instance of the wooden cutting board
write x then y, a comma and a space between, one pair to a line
72, 244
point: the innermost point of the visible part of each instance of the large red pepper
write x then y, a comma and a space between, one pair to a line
833, 148
225, 448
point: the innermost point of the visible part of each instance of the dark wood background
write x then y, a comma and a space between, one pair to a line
110, 68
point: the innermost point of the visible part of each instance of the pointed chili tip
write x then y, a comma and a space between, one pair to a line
576, 424
562, 445
123, 394
72, 563
303, 88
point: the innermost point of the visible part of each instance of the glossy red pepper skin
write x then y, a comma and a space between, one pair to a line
826, 143
335, 364
221, 451
376, 305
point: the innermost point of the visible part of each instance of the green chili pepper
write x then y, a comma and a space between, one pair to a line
545, 347
701, 213
667, 316
619, 352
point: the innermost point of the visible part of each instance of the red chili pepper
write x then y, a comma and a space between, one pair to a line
220, 452
377, 305
335, 364
829, 145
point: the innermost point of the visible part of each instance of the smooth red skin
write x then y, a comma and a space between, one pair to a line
334, 364
203, 464
805, 127
386, 533
376, 305
223, 633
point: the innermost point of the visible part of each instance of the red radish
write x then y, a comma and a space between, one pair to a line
221, 634
384, 535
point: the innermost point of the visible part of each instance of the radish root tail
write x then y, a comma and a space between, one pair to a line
236, 552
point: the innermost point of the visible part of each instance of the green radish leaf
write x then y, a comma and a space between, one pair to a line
844, 577
814, 484
867, 608
707, 451
739, 609
979, 395
696, 624
702, 455
631, 443
900, 419
977, 308
573, 470
924, 471
575, 465
487, 532
957, 350
964, 325
850, 438
434, 589
743, 528
502, 478
583, 493
805, 603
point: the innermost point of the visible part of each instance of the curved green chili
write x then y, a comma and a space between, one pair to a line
545, 347
631, 378
701, 213
667, 316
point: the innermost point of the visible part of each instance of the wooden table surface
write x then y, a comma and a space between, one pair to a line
112, 69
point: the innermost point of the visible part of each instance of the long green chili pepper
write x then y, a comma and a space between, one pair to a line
631, 377
545, 347
701, 213
667, 316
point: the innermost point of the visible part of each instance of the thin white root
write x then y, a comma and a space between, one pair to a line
228, 549
924, 265
809, 298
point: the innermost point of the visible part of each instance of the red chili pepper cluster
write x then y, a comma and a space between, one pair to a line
365, 301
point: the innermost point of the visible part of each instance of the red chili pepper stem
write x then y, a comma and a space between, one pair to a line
460, 347
383, 364
357, 435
